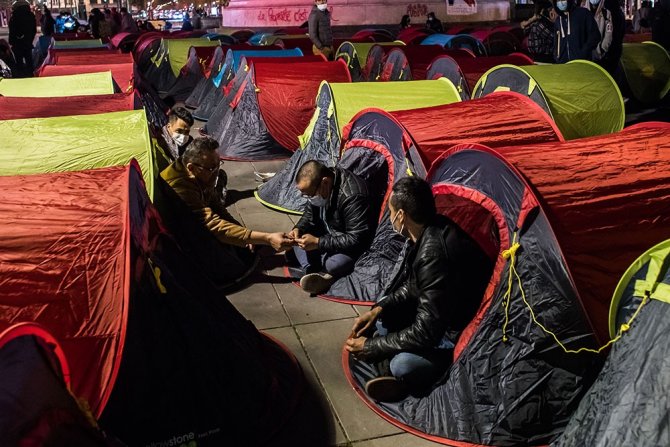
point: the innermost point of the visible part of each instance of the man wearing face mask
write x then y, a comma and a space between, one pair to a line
320, 32
175, 135
193, 176
576, 32
430, 301
336, 227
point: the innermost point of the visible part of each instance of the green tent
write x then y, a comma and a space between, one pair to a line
580, 96
75, 143
177, 50
84, 43
647, 70
59, 86
336, 105
344, 100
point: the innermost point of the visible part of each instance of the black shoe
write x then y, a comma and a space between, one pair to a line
386, 389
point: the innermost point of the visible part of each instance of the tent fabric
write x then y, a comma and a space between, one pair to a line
73, 143
497, 42
156, 352
271, 108
510, 382
12, 108
233, 58
581, 96
474, 68
192, 73
374, 63
411, 62
628, 403
178, 50
36, 403
59, 86
413, 35
124, 41
121, 73
226, 82
646, 67
464, 41
88, 58
336, 105
498, 120
88, 43
447, 67
355, 55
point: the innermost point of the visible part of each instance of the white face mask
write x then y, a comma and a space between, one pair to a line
322, 7
594, 2
402, 227
562, 5
179, 138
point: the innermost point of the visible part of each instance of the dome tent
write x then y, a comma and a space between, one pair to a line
356, 56
560, 244
580, 96
628, 403
158, 353
59, 86
12, 108
336, 104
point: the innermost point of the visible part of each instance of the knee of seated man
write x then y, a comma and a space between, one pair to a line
411, 367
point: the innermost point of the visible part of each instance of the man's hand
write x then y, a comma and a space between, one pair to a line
294, 234
278, 241
355, 345
364, 322
308, 242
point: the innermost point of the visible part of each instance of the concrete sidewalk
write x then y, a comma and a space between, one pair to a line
313, 329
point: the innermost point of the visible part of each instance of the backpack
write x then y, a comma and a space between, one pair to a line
605, 26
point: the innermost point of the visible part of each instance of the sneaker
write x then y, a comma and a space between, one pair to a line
316, 282
386, 389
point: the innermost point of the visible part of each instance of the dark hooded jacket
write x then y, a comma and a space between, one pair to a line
576, 34
348, 215
437, 292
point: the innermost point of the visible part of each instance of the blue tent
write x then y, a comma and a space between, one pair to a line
464, 41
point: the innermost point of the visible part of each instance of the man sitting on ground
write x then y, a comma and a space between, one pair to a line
336, 227
437, 293
175, 134
193, 176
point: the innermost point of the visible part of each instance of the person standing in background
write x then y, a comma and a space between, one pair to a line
22, 31
320, 32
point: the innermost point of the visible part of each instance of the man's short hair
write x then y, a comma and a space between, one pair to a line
181, 113
312, 171
196, 151
415, 197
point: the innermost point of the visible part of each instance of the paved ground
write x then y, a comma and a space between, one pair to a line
313, 329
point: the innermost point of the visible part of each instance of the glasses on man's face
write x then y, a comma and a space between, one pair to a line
309, 196
208, 169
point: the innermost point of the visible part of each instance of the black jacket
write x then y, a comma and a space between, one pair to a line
436, 294
349, 217
320, 32
576, 34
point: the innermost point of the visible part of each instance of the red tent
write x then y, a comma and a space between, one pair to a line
417, 57
284, 96
17, 108
153, 348
412, 35
124, 39
122, 73
505, 119
497, 41
610, 202
92, 58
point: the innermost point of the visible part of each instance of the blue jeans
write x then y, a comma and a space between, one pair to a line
419, 371
314, 261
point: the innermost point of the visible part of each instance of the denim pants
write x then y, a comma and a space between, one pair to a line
419, 371
314, 261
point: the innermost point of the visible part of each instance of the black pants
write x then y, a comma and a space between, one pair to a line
24, 62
